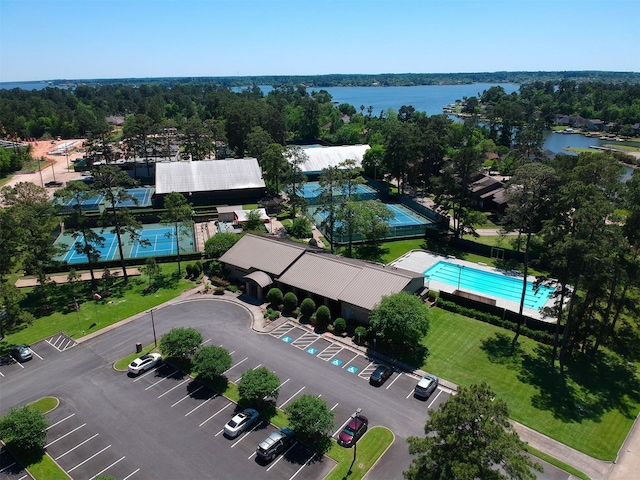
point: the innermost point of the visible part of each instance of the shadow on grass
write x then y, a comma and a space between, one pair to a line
587, 390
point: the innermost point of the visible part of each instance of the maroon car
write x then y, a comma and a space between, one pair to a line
353, 431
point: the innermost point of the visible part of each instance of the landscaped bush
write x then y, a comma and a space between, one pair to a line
271, 314
360, 333
220, 282
307, 307
232, 288
290, 302
301, 228
189, 270
323, 316
340, 324
275, 297
219, 291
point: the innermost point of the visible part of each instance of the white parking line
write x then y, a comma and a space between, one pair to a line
65, 435
8, 467
333, 406
226, 406
410, 393
341, 427
202, 404
303, 465
79, 445
34, 352
91, 457
148, 372
161, 380
281, 456
246, 434
1, 374
394, 380
173, 388
234, 366
102, 471
287, 401
277, 334
131, 474
435, 398
206, 341
354, 357
60, 421
364, 370
188, 395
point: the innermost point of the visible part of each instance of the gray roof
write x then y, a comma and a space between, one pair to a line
320, 158
259, 253
208, 175
260, 278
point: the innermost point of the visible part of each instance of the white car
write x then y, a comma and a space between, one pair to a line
144, 363
241, 422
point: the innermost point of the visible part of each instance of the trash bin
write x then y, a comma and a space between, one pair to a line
138, 347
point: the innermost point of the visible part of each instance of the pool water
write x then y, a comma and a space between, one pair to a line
489, 283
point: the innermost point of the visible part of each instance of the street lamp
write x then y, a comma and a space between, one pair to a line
153, 325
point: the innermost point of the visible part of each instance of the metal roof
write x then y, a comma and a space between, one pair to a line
260, 278
320, 158
259, 253
208, 175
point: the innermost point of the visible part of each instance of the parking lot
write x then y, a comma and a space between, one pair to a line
41, 351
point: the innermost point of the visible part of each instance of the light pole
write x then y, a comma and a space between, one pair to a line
355, 445
40, 172
153, 325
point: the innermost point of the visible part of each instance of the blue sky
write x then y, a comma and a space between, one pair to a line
73, 39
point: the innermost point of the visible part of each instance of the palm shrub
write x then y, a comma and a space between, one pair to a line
323, 316
290, 302
274, 296
307, 307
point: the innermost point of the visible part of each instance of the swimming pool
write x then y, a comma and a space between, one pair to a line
489, 283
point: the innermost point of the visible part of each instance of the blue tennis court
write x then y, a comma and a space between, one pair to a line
311, 191
489, 283
153, 241
141, 195
404, 216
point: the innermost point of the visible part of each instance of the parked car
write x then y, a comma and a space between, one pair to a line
144, 363
380, 375
21, 353
53, 183
426, 386
241, 422
353, 431
275, 444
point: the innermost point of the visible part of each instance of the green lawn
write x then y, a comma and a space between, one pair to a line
367, 451
467, 351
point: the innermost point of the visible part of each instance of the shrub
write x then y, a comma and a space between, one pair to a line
189, 270
275, 297
197, 269
360, 333
323, 316
313, 242
220, 282
232, 288
301, 228
307, 307
340, 324
219, 291
290, 302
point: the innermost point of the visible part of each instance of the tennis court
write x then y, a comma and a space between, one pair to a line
153, 240
311, 192
141, 195
404, 216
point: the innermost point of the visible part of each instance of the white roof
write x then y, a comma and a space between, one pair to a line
243, 215
208, 175
320, 158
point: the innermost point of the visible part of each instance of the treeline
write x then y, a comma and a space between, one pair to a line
367, 80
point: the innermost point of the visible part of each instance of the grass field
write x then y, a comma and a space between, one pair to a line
590, 408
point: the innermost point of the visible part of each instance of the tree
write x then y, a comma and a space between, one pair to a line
470, 437
256, 385
310, 417
217, 245
253, 222
401, 318
274, 296
151, 269
323, 316
301, 228
178, 214
180, 342
372, 221
290, 301
274, 167
211, 362
24, 429
295, 179
307, 307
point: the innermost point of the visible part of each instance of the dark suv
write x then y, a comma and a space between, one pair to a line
274, 444
380, 375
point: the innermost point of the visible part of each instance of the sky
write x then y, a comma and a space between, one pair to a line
87, 39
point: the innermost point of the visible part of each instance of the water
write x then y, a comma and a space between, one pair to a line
489, 283
23, 85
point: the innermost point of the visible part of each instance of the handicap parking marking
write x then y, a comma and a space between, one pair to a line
352, 369
312, 351
336, 361
61, 342
286, 339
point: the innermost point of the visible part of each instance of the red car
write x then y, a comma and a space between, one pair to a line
353, 431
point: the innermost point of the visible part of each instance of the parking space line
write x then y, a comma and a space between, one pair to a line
366, 371
341, 427
333, 406
65, 435
8, 467
1, 374
173, 388
162, 379
60, 421
347, 363
36, 354
202, 404
131, 474
281, 331
79, 445
102, 471
21, 365
226, 406
281, 456
188, 395
23, 477
148, 372
394, 380
287, 401
234, 366
410, 393
206, 341
330, 352
303, 465
91, 457
435, 398
246, 434
305, 340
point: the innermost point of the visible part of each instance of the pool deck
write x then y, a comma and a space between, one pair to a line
420, 261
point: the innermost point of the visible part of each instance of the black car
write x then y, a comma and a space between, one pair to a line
21, 353
380, 375
53, 183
